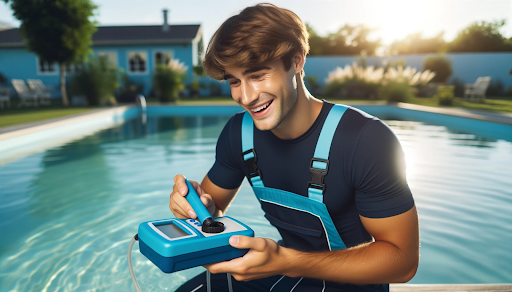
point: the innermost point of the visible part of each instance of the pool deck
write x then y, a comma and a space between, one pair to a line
502, 118
450, 287
22, 129
12, 131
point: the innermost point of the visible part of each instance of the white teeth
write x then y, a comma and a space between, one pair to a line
260, 107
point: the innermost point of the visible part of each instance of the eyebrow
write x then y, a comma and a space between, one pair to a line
248, 71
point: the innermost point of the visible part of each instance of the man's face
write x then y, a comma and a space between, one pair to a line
268, 92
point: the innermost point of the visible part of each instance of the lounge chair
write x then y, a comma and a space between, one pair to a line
478, 89
42, 92
27, 96
5, 96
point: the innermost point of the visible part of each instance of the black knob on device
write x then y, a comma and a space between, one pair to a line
210, 226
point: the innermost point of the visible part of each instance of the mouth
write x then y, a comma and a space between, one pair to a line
261, 110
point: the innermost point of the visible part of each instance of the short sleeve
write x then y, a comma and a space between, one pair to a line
379, 179
226, 172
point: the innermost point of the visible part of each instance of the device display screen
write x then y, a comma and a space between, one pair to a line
171, 230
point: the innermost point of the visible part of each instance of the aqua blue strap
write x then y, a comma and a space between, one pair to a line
323, 145
247, 134
248, 144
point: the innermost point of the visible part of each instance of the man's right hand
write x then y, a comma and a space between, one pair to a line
179, 204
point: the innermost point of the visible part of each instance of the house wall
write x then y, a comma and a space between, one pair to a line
18, 63
180, 52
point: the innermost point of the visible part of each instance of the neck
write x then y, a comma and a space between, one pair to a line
302, 116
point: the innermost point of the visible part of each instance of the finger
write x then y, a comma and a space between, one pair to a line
243, 242
232, 266
208, 203
184, 206
181, 185
197, 187
177, 210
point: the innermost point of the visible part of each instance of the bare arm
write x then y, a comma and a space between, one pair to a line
392, 257
221, 197
215, 198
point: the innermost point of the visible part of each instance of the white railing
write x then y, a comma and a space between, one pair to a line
141, 101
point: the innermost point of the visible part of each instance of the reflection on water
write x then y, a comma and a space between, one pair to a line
463, 188
67, 215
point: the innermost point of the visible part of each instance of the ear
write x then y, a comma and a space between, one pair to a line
298, 61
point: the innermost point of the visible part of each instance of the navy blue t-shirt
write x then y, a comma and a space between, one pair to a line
366, 168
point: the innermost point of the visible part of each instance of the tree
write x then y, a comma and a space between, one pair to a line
481, 37
348, 40
416, 44
58, 31
439, 65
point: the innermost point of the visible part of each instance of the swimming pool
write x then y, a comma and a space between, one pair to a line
68, 213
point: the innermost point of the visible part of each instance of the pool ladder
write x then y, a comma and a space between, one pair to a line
141, 101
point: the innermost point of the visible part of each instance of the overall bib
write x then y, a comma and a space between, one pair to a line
303, 222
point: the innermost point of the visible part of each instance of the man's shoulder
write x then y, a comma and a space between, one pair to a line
353, 123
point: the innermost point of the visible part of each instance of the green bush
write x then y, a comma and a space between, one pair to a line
313, 85
195, 86
167, 83
439, 65
396, 91
458, 87
496, 88
445, 95
355, 88
129, 89
96, 81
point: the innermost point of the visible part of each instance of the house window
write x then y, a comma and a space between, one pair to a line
137, 62
109, 57
44, 67
162, 58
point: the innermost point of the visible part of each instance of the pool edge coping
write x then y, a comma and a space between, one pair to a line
48, 124
25, 129
450, 287
501, 118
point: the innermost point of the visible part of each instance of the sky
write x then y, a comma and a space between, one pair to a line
392, 19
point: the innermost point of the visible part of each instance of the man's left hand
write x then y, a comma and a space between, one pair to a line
264, 259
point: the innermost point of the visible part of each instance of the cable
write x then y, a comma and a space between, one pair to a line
130, 266
208, 281
229, 283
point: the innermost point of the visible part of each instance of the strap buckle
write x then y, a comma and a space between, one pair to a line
251, 164
318, 175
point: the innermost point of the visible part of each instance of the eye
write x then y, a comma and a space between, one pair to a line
234, 82
256, 77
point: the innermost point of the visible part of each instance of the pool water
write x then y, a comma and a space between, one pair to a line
68, 214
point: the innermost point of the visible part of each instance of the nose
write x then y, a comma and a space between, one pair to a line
249, 93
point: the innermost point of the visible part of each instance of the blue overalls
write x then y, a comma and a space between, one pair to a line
303, 222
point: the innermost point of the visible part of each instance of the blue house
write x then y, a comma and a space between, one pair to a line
136, 49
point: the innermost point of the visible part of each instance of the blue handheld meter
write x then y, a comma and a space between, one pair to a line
178, 244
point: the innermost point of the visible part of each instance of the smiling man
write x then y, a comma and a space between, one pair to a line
330, 178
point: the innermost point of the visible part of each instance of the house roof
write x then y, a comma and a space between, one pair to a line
4, 25
123, 35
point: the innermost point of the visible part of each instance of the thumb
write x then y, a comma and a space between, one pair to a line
244, 242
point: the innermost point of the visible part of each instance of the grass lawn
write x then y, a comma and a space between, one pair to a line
23, 116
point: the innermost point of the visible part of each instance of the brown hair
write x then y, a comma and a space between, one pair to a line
259, 34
